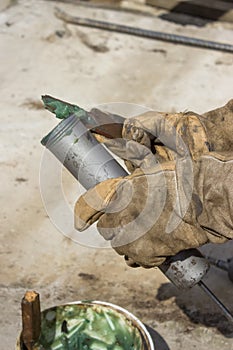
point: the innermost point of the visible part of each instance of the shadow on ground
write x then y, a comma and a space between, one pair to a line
208, 316
194, 13
184, 20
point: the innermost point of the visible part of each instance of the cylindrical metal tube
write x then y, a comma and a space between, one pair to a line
79, 151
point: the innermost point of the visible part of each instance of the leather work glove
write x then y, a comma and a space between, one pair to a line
172, 135
176, 204
157, 212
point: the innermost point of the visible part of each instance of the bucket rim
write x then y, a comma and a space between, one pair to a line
147, 339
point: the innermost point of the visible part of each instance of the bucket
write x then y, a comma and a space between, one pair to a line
106, 324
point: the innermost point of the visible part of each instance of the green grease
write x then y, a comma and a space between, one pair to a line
63, 109
88, 327
60, 108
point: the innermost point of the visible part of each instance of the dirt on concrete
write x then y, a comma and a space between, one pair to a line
39, 54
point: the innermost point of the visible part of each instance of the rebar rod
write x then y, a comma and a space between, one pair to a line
140, 32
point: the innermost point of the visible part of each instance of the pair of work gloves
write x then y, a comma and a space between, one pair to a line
179, 193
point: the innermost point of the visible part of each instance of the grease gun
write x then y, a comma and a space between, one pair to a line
91, 163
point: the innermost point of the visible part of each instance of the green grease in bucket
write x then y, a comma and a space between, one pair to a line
87, 327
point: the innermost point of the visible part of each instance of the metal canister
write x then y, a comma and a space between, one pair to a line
79, 151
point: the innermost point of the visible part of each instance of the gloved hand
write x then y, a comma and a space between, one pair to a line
154, 213
134, 213
157, 211
183, 132
170, 135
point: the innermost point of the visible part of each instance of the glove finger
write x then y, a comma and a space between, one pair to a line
133, 153
130, 262
137, 256
139, 155
92, 205
117, 146
144, 128
155, 128
181, 132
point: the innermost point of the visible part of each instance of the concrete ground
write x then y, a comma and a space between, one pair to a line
38, 55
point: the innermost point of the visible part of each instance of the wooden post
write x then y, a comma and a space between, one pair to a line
31, 319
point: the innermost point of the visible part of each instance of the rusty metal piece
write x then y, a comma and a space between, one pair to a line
31, 319
108, 125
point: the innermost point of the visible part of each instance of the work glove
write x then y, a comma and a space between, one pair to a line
170, 135
159, 211
173, 135
173, 199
